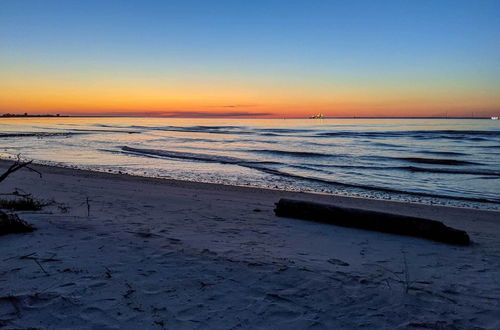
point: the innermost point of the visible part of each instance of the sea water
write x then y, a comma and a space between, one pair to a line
447, 161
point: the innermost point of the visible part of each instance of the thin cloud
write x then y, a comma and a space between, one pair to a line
231, 106
201, 114
181, 114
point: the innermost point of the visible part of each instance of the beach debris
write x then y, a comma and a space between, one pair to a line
371, 220
19, 200
10, 223
32, 256
18, 164
86, 202
22, 204
88, 206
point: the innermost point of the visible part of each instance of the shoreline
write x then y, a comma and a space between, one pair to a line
446, 171
375, 204
120, 251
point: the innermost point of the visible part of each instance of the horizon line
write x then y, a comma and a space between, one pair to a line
12, 115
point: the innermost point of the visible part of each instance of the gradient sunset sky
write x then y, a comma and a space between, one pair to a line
250, 58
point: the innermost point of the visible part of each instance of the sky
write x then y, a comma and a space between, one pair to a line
250, 58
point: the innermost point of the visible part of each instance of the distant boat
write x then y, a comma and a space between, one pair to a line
494, 118
318, 116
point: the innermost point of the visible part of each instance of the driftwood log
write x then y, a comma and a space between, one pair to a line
371, 220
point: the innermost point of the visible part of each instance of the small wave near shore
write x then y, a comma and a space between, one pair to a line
449, 160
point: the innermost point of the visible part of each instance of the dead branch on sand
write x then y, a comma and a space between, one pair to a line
18, 164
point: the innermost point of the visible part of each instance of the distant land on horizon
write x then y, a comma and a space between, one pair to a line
22, 115
222, 116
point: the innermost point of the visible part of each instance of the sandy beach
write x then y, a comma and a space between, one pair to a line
153, 253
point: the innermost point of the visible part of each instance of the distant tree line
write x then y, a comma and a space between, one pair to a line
28, 115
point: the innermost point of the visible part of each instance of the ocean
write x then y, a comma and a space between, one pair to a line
439, 161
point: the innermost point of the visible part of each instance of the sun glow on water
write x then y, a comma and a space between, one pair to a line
419, 160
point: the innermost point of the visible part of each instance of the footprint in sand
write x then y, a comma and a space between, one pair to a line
98, 317
338, 262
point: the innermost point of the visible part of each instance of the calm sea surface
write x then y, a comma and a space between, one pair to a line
446, 161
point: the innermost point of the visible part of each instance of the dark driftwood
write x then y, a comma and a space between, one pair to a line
371, 220
10, 223
18, 164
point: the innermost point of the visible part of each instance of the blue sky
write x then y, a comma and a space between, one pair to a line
322, 45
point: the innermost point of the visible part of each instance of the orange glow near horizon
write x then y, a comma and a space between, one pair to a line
266, 100
246, 59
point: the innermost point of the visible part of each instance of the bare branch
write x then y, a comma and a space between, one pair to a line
33, 170
18, 164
